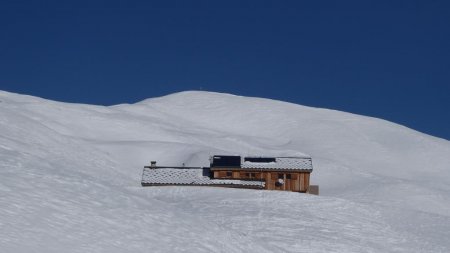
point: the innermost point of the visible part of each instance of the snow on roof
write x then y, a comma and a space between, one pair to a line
281, 163
183, 176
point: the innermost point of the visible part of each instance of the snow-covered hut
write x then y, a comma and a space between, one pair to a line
270, 173
277, 173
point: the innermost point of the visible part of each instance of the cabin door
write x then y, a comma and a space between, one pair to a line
284, 182
280, 181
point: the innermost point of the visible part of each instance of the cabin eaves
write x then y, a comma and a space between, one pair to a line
263, 163
281, 163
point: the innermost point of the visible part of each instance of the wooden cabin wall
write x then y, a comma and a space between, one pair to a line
298, 181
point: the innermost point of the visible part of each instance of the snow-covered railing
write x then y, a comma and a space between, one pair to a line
190, 176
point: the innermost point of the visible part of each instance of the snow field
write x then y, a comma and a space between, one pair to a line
70, 175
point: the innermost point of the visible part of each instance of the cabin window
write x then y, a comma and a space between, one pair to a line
288, 176
229, 173
280, 176
226, 161
250, 175
260, 159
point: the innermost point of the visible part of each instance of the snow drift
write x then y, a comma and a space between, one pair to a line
70, 178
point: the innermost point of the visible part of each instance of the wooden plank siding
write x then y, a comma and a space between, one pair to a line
293, 180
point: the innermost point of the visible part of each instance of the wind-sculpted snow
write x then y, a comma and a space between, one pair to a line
70, 178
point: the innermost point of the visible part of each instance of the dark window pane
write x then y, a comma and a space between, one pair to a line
280, 176
260, 159
206, 172
229, 173
288, 176
226, 161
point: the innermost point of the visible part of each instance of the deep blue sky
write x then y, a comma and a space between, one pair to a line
389, 60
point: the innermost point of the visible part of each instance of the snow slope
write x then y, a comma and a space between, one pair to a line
70, 178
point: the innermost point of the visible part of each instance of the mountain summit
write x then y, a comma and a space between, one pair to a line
70, 178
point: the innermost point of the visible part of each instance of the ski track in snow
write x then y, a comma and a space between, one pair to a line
70, 175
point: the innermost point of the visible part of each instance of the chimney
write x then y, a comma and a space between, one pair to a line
153, 164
